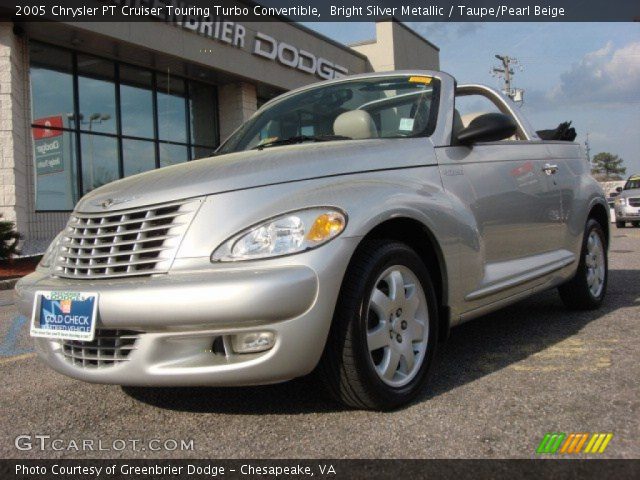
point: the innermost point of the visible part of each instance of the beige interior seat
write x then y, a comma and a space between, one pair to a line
356, 124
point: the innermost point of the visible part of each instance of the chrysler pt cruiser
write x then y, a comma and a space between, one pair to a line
343, 229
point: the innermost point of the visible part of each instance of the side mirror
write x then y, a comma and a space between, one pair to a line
489, 127
619, 189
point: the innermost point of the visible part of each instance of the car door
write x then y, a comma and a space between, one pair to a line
566, 165
515, 216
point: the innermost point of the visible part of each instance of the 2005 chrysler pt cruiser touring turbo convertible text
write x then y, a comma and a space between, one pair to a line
346, 226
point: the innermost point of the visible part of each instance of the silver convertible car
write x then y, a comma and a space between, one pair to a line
343, 229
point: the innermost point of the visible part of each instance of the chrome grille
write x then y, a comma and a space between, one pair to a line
139, 241
109, 347
634, 202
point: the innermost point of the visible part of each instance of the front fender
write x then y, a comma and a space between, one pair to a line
368, 198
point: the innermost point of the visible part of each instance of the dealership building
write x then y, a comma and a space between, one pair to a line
83, 104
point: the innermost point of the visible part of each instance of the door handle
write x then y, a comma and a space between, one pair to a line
550, 169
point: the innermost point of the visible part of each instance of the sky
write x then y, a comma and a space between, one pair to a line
588, 73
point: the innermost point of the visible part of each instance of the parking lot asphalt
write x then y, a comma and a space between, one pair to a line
504, 381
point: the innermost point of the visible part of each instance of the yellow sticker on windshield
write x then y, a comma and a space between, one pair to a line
423, 80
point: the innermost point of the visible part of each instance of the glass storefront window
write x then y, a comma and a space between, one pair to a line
99, 160
139, 156
51, 73
136, 102
119, 127
54, 148
171, 154
172, 121
97, 93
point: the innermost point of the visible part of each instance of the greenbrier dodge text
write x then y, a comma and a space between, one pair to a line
175, 470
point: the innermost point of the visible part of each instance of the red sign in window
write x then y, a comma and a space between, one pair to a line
49, 126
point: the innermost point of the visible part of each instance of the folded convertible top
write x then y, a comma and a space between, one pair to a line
564, 132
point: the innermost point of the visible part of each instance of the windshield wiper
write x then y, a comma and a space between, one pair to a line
301, 139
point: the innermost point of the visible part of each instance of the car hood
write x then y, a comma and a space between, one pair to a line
256, 168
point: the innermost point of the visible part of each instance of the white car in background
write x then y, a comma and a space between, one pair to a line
627, 204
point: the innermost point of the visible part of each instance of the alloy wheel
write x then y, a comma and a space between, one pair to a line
397, 326
595, 262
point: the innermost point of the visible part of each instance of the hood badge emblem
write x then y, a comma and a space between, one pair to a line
107, 203
110, 202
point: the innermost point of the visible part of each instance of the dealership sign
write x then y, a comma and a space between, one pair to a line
47, 140
264, 46
268, 47
236, 35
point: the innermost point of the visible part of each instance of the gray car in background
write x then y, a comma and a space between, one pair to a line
344, 228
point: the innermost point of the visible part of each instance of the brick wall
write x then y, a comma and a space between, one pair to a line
13, 134
17, 188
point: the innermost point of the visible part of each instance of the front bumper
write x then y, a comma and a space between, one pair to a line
181, 314
627, 213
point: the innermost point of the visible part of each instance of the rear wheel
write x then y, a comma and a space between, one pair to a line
383, 337
586, 290
620, 224
636, 224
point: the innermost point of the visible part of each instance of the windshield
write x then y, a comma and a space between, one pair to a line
381, 107
632, 183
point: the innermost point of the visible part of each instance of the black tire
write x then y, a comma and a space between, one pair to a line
620, 224
576, 293
636, 224
346, 367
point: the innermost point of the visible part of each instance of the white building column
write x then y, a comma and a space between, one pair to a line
389, 50
14, 129
236, 103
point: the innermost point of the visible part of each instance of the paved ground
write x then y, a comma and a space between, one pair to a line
505, 381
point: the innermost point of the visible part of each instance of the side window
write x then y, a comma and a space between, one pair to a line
468, 107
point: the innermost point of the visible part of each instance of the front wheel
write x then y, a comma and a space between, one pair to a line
620, 224
586, 290
636, 224
383, 336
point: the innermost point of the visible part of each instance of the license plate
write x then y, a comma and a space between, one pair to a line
64, 315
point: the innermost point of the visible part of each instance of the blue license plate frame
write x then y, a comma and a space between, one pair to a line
64, 315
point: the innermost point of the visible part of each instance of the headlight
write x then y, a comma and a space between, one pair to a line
50, 252
621, 201
292, 232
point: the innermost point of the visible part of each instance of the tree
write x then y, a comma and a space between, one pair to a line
609, 166
9, 239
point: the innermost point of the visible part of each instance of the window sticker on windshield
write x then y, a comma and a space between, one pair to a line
406, 124
423, 80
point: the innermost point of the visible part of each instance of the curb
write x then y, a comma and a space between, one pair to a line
8, 284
